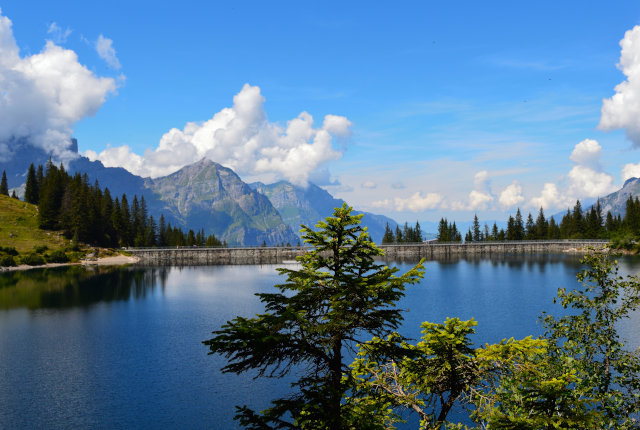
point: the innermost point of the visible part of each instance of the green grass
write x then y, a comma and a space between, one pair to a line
19, 228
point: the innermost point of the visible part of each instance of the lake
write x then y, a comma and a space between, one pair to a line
121, 348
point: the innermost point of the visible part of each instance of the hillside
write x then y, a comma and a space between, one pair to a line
19, 227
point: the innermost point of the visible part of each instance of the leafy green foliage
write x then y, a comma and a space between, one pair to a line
7, 260
57, 256
338, 296
33, 259
588, 342
431, 377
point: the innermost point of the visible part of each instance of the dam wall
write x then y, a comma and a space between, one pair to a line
199, 256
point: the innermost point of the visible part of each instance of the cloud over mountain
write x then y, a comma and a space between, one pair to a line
43, 95
241, 138
586, 179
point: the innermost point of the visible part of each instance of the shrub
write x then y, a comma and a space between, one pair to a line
57, 256
33, 259
7, 261
40, 249
9, 250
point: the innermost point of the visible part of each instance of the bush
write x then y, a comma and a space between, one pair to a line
57, 257
33, 259
9, 250
40, 249
7, 261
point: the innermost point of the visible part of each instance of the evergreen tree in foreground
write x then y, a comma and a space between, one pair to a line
338, 298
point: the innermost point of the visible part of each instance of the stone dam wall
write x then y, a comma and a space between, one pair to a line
194, 256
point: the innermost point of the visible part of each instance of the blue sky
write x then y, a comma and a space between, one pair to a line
434, 109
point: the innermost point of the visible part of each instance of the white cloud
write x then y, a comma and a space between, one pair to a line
549, 198
622, 110
58, 34
398, 186
43, 95
586, 182
511, 196
418, 203
481, 197
586, 179
384, 204
106, 51
481, 182
241, 138
479, 200
369, 185
630, 170
587, 153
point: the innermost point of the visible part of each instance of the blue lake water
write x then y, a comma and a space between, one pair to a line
122, 348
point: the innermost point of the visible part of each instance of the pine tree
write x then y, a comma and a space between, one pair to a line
388, 235
417, 233
519, 226
494, 232
4, 187
476, 228
399, 237
530, 229
339, 298
31, 191
541, 225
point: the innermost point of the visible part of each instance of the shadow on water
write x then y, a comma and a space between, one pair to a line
75, 286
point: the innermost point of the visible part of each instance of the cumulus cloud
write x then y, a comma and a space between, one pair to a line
586, 179
587, 153
241, 138
106, 51
369, 185
418, 202
587, 182
43, 95
550, 197
630, 170
622, 110
511, 196
481, 197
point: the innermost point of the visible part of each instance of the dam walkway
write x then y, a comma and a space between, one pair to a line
198, 256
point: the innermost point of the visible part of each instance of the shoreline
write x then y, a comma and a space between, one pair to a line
114, 260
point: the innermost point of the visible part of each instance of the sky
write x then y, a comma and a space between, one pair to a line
414, 110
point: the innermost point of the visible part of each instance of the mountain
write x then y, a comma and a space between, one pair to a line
299, 205
616, 202
210, 196
205, 195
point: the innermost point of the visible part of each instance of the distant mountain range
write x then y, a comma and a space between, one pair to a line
206, 195
299, 205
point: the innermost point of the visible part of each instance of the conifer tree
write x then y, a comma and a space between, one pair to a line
530, 228
541, 225
476, 228
4, 187
339, 298
31, 191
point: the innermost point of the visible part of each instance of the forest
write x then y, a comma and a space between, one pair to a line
88, 214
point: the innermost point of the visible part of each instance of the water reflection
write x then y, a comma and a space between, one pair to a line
516, 261
75, 286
